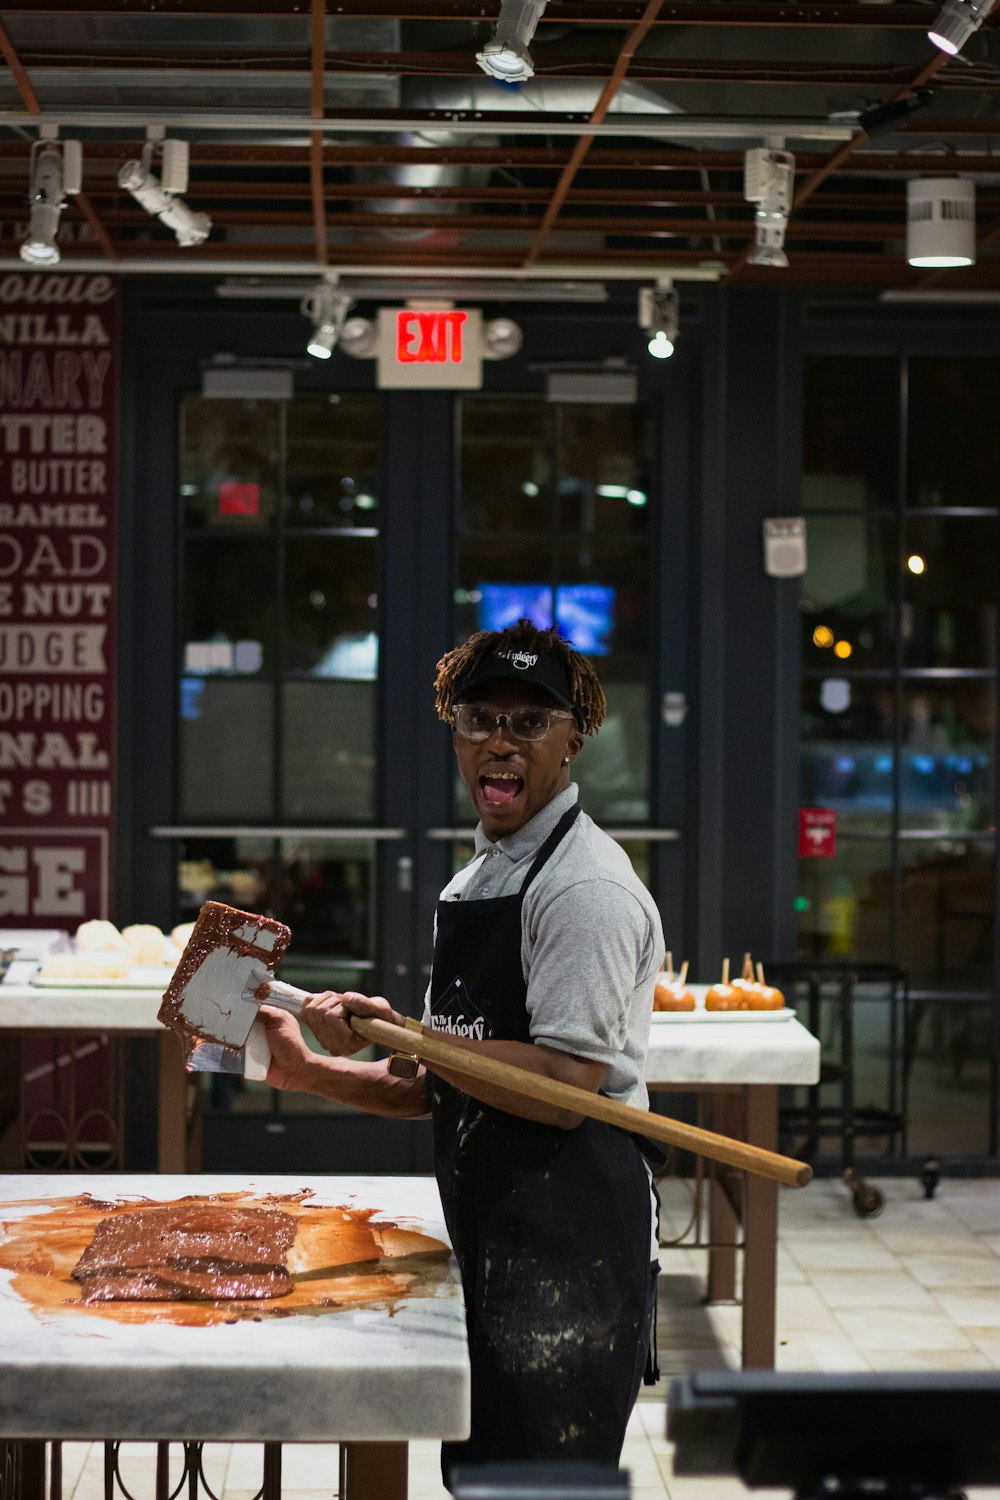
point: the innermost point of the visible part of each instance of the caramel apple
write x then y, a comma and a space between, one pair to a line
671, 993
766, 997
745, 986
723, 996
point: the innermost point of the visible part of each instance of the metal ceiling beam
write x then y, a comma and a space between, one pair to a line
623, 13
103, 64
663, 160
317, 39
464, 122
18, 73
584, 142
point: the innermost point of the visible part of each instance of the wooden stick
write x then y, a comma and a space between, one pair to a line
418, 1042
684, 972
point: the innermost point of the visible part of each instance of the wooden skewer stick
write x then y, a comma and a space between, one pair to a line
415, 1041
684, 972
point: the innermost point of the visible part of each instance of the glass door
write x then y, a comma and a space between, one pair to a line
278, 671
553, 522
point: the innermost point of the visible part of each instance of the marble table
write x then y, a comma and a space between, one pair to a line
114, 1011
369, 1377
736, 1065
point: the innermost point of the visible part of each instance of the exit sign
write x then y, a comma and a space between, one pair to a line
430, 348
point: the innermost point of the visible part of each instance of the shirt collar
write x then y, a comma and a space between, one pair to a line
532, 836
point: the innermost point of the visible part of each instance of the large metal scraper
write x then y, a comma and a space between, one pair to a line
226, 972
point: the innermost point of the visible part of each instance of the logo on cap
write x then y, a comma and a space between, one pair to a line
520, 659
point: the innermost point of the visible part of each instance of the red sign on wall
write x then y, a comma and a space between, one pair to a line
817, 833
430, 348
58, 356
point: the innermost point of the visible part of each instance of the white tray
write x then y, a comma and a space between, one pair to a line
149, 978
715, 1016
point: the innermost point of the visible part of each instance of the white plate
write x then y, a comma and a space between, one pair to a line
150, 978
700, 1014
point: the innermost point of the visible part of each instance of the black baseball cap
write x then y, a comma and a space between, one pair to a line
507, 662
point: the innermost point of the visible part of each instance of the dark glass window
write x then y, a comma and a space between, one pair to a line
553, 523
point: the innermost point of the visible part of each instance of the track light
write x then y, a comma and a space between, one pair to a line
956, 22
941, 221
659, 316
56, 171
506, 55
768, 179
502, 338
328, 308
162, 199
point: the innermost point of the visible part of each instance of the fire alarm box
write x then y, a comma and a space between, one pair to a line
785, 547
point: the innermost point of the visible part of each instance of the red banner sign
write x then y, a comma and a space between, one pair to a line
58, 439
817, 833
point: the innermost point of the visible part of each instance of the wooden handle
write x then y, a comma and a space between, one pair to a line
434, 1049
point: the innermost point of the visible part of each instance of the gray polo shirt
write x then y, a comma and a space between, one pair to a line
591, 941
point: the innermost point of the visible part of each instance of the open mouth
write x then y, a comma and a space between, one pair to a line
501, 787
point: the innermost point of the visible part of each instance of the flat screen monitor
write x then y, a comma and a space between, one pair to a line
584, 612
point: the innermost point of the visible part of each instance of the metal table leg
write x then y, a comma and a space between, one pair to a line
373, 1471
760, 1235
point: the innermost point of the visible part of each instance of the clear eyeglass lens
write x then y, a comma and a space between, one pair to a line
477, 722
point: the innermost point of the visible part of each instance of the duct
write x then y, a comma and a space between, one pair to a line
485, 97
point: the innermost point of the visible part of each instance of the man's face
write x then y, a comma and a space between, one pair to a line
508, 779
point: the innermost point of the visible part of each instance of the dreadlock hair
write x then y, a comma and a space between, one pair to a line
588, 695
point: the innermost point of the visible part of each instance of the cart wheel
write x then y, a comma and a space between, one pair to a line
930, 1176
868, 1201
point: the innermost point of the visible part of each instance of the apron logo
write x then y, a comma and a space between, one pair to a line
522, 660
455, 1013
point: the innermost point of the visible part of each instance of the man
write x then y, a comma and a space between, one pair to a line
545, 956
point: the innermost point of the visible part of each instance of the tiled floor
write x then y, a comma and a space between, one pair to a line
917, 1288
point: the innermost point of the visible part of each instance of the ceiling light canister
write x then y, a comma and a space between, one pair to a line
941, 221
956, 22
328, 307
137, 178
768, 182
659, 316
56, 170
506, 56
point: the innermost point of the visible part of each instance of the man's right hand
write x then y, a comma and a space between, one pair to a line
290, 1057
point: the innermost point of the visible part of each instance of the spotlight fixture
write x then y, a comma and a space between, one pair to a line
957, 20
328, 307
659, 316
56, 171
162, 199
502, 338
768, 180
941, 221
506, 55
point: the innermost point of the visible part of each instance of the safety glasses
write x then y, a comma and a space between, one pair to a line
477, 721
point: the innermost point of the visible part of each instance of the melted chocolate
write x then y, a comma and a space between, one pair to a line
218, 926
202, 1252
342, 1257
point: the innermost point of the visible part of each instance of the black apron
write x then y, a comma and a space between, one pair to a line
551, 1227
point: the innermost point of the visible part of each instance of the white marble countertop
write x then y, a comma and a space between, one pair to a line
731, 1051
725, 1049
25, 1006
373, 1373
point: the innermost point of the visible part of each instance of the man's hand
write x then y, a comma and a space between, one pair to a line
327, 1016
290, 1057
